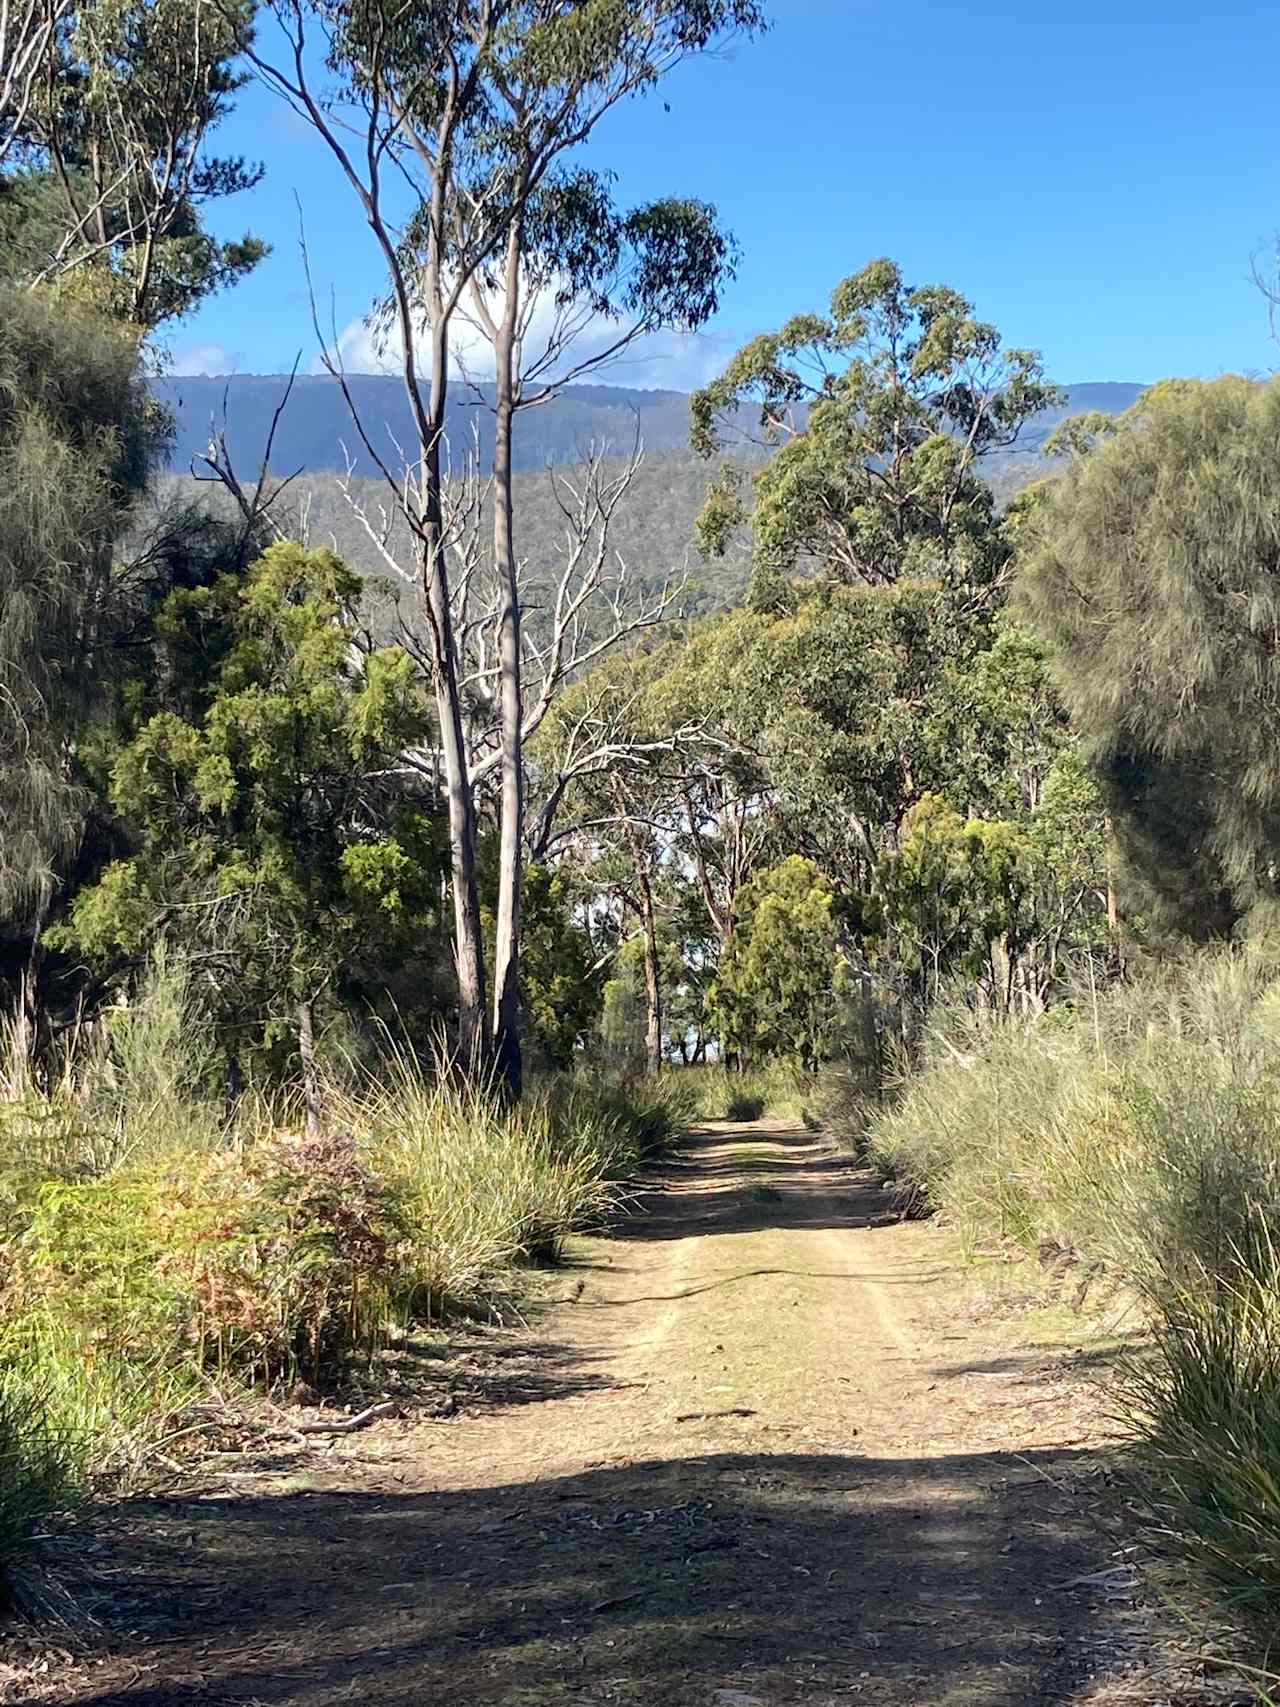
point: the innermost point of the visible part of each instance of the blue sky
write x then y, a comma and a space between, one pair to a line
1096, 178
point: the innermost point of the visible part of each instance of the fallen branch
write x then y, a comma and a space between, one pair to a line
349, 1424
709, 1416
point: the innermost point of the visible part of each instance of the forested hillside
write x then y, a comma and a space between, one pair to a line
651, 532
654, 525
315, 431
401, 850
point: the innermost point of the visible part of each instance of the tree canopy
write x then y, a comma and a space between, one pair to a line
882, 411
1150, 567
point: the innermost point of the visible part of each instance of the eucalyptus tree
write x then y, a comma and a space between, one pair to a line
783, 976
479, 106
878, 415
1150, 568
656, 266
28, 31
114, 166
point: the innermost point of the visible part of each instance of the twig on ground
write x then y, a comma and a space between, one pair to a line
707, 1416
349, 1424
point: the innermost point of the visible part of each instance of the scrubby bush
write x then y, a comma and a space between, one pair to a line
743, 1104
776, 1088
1141, 1130
140, 1251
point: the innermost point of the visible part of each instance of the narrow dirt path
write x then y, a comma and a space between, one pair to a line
754, 1461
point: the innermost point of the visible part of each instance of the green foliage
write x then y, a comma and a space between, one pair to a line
40, 1468
773, 1087
1142, 1133
560, 982
141, 1256
622, 1013
108, 205
274, 835
877, 475
998, 901
1208, 1397
782, 972
76, 442
1149, 569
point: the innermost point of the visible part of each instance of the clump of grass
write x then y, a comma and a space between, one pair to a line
1209, 1399
41, 1464
634, 1119
1143, 1130
776, 1088
1128, 1127
743, 1104
143, 1247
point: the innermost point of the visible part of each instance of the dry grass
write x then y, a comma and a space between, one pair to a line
1141, 1130
146, 1247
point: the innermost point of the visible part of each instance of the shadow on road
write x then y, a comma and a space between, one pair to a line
745, 1182
919, 1580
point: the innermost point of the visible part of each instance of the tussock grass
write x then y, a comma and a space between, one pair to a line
146, 1247
1209, 1397
775, 1088
1142, 1130
1135, 1127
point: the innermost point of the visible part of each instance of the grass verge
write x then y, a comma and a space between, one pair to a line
144, 1249
1140, 1134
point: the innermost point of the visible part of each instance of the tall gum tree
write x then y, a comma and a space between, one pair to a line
878, 414
480, 104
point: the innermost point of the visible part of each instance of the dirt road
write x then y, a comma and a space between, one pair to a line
760, 1458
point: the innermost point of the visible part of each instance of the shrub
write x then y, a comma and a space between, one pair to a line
743, 1104
1143, 1131
717, 1094
138, 1255
1209, 1397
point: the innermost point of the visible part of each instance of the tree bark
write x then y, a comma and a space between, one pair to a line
652, 978
506, 970
307, 1053
467, 936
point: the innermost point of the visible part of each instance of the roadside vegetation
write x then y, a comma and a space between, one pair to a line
360, 937
1136, 1135
152, 1247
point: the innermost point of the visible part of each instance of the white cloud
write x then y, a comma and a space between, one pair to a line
658, 361
202, 358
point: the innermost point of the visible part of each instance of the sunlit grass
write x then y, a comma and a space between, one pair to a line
1141, 1130
149, 1246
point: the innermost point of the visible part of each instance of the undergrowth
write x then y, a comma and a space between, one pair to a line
1140, 1130
718, 1094
147, 1245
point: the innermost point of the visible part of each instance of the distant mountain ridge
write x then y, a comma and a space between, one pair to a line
316, 434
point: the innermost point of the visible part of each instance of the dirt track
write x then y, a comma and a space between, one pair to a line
760, 1459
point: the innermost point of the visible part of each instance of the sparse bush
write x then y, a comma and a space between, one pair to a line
133, 1264
743, 1104
717, 1094
1141, 1131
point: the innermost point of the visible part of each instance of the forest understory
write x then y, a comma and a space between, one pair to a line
764, 1442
